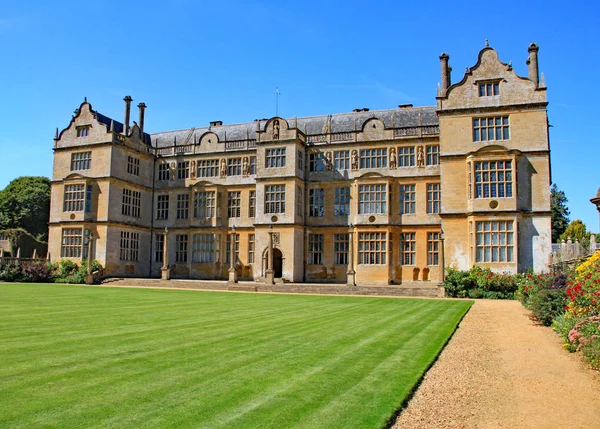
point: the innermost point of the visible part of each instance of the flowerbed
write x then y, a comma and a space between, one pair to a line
64, 271
570, 303
480, 282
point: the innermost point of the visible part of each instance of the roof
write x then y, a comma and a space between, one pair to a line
312, 125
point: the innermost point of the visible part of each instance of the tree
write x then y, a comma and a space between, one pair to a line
25, 203
560, 212
576, 231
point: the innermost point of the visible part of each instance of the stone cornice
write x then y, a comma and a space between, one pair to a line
492, 109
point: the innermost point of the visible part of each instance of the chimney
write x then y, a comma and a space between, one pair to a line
142, 107
127, 101
445, 72
532, 64
216, 123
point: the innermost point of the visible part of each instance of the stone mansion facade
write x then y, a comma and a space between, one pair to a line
366, 197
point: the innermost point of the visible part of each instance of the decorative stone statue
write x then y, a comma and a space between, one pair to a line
245, 167
276, 129
420, 157
328, 161
223, 168
173, 170
193, 169
393, 157
354, 158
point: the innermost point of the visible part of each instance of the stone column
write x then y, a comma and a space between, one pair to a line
89, 278
351, 274
270, 273
166, 270
232, 271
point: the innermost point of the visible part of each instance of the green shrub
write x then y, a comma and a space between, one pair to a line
480, 282
591, 352
547, 304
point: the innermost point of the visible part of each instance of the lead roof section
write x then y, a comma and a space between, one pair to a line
312, 125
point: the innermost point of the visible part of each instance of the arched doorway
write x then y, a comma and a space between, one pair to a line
277, 263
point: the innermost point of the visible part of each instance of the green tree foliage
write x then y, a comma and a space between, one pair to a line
560, 212
25, 203
576, 231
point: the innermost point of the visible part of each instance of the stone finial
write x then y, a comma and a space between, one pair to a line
85, 99
487, 43
34, 256
593, 243
19, 253
56, 134
510, 67
543, 81
112, 125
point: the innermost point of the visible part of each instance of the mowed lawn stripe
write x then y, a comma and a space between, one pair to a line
152, 358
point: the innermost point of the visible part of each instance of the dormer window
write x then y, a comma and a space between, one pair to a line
83, 131
489, 89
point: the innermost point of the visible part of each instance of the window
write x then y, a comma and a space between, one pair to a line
131, 203
433, 248
489, 129
181, 248
494, 241
372, 199
372, 248
204, 204
88, 198
252, 165
74, 199
72, 240
489, 89
250, 248
373, 158
203, 248
408, 245
316, 202
183, 170
275, 199
164, 172
408, 199
207, 168
341, 160
81, 161
300, 160
316, 162
315, 249
252, 205
159, 250
299, 201
234, 204
406, 156
432, 155
83, 131
433, 198
493, 179
341, 206
183, 206
133, 166
275, 158
130, 246
162, 207
237, 248
340, 249
234, 166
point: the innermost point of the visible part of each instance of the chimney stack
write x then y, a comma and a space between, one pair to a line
127, 101
532, 64
445, 72
142, 107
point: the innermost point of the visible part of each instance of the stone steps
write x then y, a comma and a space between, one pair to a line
410, 289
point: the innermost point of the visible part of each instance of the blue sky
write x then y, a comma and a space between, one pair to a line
194, 62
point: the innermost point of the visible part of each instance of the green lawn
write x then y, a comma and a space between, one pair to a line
74, 356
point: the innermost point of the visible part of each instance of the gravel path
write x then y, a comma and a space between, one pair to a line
500, 370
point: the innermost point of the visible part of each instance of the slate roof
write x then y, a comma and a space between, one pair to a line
118, 126
312, 125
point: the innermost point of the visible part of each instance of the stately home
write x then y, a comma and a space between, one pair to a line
376, 197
